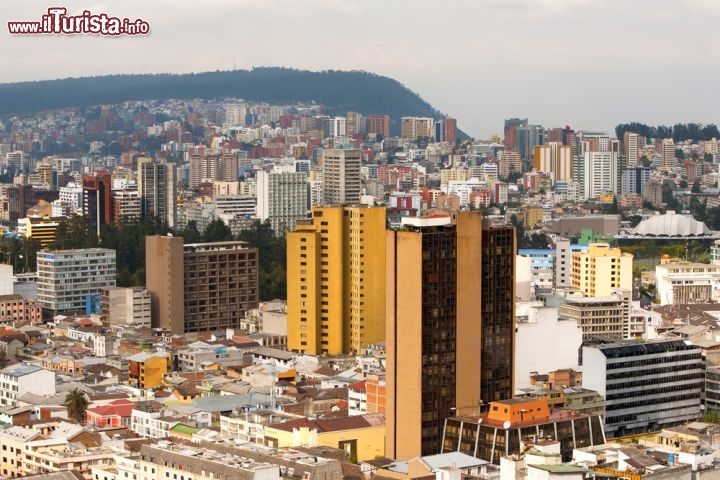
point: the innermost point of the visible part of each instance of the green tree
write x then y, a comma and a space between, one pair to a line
217, 231
190, 233
75, 232
272, 255
645, 161
76, 403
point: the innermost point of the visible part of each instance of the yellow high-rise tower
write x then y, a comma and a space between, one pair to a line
336, 280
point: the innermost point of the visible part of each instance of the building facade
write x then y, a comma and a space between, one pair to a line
432, 336
600, 317
602, 268
336, 280
202, 286
157, 185
647, 385
66, 278
282, 198
341, 176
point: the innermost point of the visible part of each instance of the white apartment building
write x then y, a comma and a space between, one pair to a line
72, 195
21, 378
282, 197
66, 278
601, 173
151, 424
679, 282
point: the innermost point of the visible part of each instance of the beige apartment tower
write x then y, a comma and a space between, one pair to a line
341, 176
164, 280
336, 280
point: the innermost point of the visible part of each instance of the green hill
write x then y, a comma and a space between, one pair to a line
338, 91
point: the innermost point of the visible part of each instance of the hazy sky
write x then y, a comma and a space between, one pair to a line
586, 63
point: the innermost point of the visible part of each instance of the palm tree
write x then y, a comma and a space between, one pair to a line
76, 403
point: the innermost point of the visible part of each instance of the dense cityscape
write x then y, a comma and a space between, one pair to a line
214, 289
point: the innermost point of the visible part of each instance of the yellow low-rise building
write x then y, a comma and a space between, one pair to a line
362, 437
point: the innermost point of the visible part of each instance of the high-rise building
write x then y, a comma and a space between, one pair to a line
417, 127
450, 325
667, 153
336, 280
341, 176
202, 286
497, 319
508, 162
631, 149
634, 179
601, 269
602, 317
528, 137
433, 329
377, 125
510, 132
97, 200
450, 130
554, 158
354, 124
157, 185
127, 205
647, 386
282, 198
66, 278
601, 174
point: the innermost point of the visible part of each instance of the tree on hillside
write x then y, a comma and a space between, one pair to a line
76, 403
272, 257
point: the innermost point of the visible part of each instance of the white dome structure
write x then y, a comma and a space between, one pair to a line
672, 225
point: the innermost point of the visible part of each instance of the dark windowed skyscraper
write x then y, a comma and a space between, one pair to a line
498, 311
450, 325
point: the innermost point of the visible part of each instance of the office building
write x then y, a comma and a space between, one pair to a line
647, 385
631, 149
97, 200
433, 329
41, 229
512, 425
606, 317
200, 287
66, 278
497, 311
667, 154
564, 251
336, 280
127, 206
601, 269
341, 176
282, 198
679, 282
510, 131
127, 306
527, 137
555, 159
157, 185
634, 179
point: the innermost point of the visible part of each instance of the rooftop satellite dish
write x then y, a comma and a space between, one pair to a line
506, 424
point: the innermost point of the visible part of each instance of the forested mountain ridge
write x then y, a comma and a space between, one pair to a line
338, 91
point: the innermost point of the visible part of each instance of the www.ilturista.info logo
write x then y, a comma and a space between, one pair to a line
58, 22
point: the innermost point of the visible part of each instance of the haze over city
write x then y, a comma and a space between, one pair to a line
590, 64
